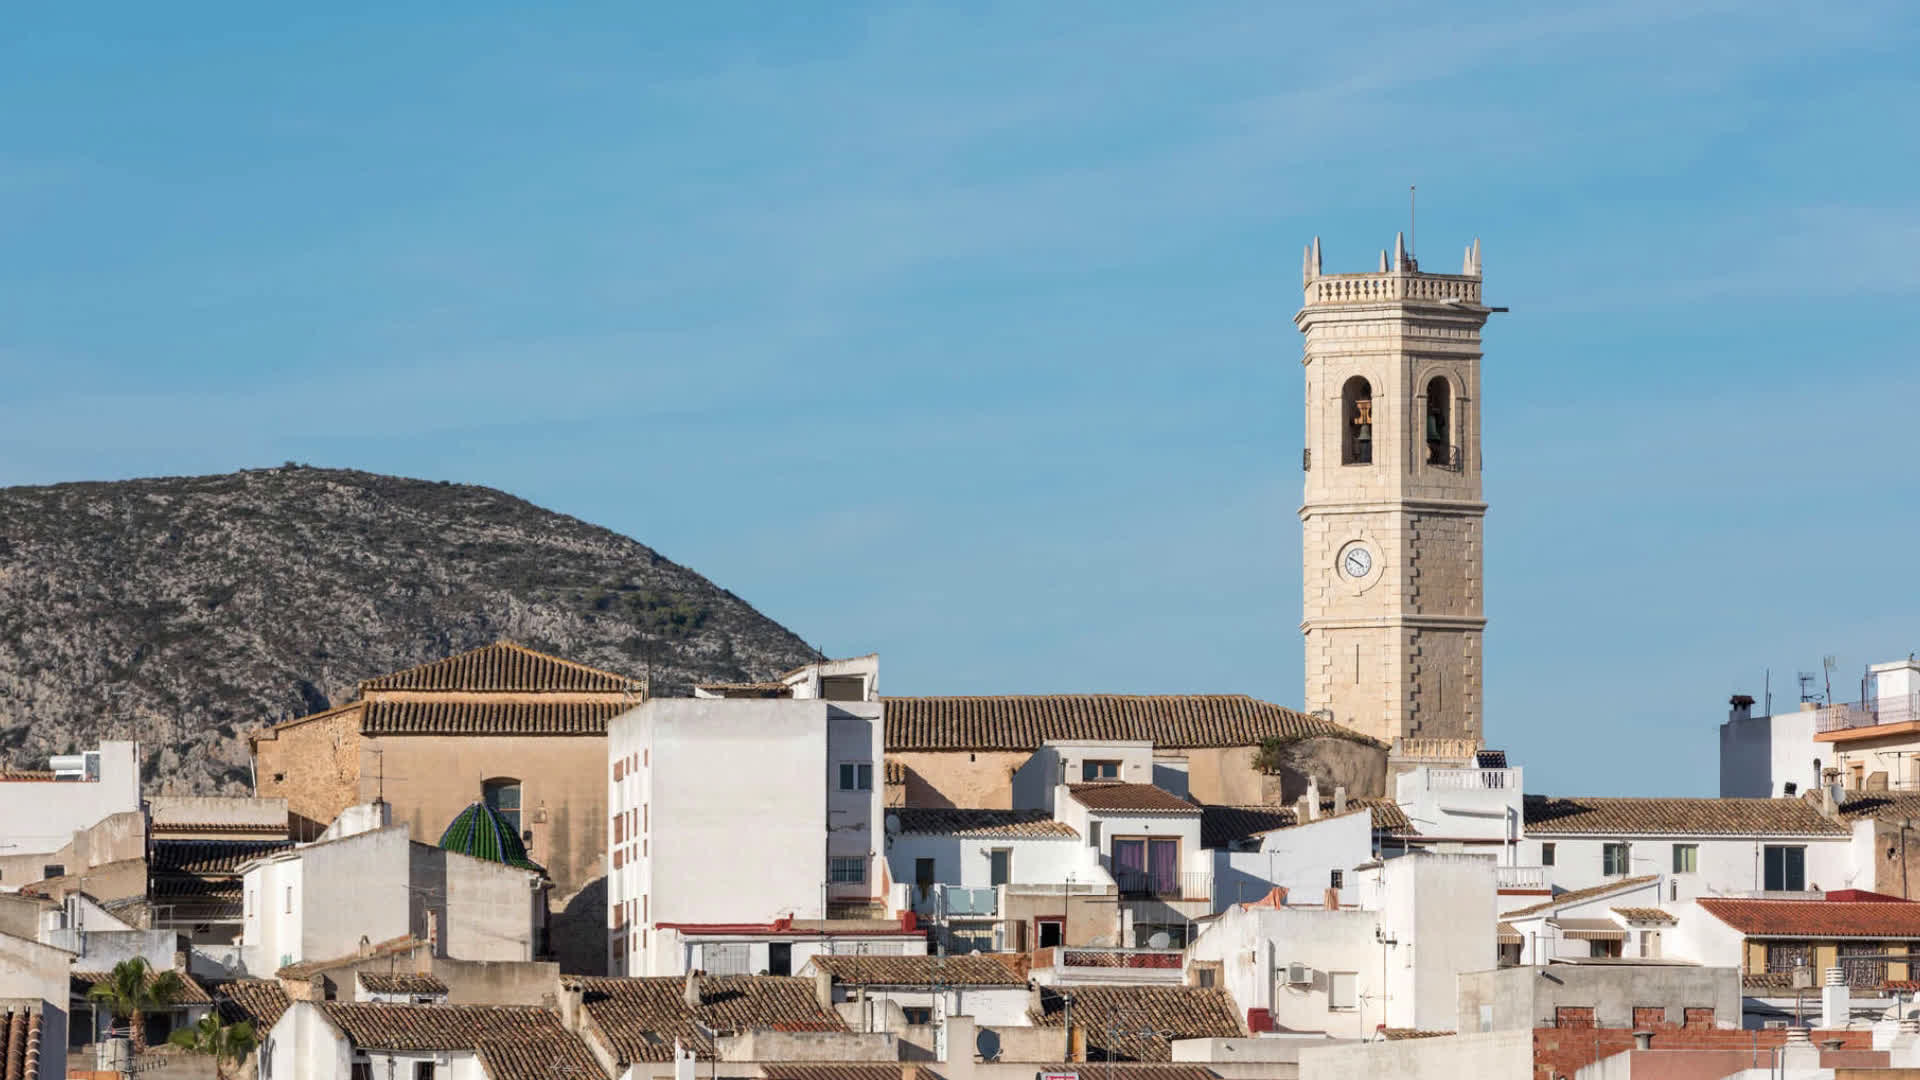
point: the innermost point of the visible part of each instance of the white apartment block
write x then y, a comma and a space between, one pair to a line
738, 817
40, 811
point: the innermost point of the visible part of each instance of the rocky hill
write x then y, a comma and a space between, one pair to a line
186, 610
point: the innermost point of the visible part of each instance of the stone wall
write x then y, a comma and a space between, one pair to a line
315, 766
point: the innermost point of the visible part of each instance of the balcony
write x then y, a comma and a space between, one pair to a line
1520, 877
1473, 779
1851, 719
963, 903
1149, 885
1103, 965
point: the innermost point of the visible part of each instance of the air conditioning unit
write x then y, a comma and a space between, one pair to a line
1299, 975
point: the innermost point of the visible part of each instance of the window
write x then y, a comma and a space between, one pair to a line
1546, 854
1335, 879
1686, 858
923, 876
1093, 834
1440, 422
1787, 955
1613, 859
1099, 770
53, 870
728, 958
1000, 866
1049, 933
1786, 868
917, 1014
780, 958
1356, 413
423, 1070
290, 898
502, 795
1343, 991
1147, 866
847, 870
362, 1070
249, 903
856, 776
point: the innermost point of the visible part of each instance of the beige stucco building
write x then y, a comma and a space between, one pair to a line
1393, 607
524, 731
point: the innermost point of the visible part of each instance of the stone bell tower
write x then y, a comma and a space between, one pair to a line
1392, 609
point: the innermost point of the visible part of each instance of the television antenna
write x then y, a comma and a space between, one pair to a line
1827, 664
1807, 692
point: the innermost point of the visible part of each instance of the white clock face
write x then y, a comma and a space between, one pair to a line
1357, 561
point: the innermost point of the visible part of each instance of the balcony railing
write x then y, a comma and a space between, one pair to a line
959, 902
1848, 715
1472, 779
1147, 885
1520, 877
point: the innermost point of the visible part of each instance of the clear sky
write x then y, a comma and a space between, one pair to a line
963, 332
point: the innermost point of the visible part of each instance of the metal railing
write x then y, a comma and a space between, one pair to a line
1845, 716
1145, 884
1472, 779
961, 902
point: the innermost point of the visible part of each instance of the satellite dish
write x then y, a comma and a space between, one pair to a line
893, 824
1159, 940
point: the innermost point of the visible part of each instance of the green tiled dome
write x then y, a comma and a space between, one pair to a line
481, 832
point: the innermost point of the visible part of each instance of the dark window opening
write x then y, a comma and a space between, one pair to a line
1051, 933
1099, 770
1356, 413
502, 795
1786, 869
1440, 423
780, 958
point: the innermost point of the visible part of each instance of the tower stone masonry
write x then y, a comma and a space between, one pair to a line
1392, 607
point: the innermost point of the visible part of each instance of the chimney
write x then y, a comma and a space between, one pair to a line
572, 997
1643, 1040
1300, 815
1339, 799
1077, 1043
1739, 707
691, 994
683, 1062
1313, 799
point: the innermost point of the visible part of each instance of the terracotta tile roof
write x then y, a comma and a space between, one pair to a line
190, 886
83, 981
542, 1057
25, 775
1221, 826
1577, 895
1881, 806
1131, 1070
20, 1043
488, 717
845, 1070
401, 983
1396, 1034
208, 856
1767, 980
1189, 1012
641, 1017
256, 1001
1645, 914
504, 667
983, 970
1677, 817
1130, 798
1024, 722
382, 1026
271, 831
1015, 823
1816, 918
307, 969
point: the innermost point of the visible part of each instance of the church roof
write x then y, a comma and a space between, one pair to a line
480, 831
504, 667
1023, 722
488, 717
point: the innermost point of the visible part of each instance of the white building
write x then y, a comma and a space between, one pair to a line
1393, 960
1148, 842
1256, 849
882, 993
1702, 847
331, 897
995, 880
1620, 918
41, 811
1869, 744
733, 812
336, 1040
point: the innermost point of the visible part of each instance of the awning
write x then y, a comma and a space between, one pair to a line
1505, 934
1589, 929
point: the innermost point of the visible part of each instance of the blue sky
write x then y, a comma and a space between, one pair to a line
963, 333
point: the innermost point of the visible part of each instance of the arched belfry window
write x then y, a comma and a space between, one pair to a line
1356, 414
502, 794
1440, 441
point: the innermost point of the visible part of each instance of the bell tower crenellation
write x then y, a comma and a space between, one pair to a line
1392, 605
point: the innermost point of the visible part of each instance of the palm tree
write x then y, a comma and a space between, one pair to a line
225, 1042
132, 990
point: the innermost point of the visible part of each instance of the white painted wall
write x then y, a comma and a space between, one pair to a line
1463, 804
1541, 943
1702, 938
272, 904
1442, 912
42, 815
1300, 859
1495, 1055
1062, 761
1254, 946
304, 1045
1726, 864
675, 953
1759, 755
735, 810
352, 889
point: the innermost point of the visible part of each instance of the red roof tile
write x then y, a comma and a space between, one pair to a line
641, 1017
1816, 918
